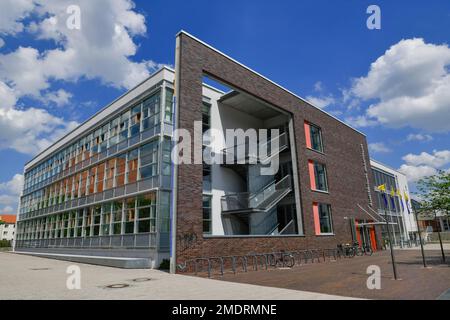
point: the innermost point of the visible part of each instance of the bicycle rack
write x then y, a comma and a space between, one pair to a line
259, 260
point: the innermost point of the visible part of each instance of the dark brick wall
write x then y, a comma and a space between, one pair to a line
342, 157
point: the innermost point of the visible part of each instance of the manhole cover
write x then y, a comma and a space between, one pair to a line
118, 286
142, 279
37, 269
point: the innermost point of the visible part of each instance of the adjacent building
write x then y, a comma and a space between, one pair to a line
7, 226
397, 208
110, 187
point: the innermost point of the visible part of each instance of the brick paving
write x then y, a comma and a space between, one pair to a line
348, 277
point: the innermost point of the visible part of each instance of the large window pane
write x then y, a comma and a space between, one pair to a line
320, 176
326, 225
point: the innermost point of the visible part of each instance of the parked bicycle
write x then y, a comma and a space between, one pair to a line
281, 259
360, 251
346, 250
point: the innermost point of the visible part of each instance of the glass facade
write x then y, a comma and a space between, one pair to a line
108, 183
390, 207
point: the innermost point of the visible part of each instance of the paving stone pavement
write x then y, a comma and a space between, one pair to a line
28, 277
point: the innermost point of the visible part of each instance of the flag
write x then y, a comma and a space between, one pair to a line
382, 189
400, 198
385, 199
393, 199
407, 201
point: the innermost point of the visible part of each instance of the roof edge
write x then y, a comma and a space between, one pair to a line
267, 79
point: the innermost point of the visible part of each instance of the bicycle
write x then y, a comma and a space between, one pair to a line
361, 251
281, 260
347, 251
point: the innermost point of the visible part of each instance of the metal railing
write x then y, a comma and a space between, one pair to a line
239, 156
253, 200
148, 240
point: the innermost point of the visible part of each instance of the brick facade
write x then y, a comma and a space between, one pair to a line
342, 157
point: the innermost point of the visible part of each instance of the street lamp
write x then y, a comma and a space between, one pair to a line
420, 237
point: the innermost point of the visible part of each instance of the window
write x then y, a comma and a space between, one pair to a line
168, 115
316, 138
313, 135
207, 216
206, 177
318, 176
117, 217
149, 160
132, 166
97, 210
322, 218
123, 126
130, 216
166, 157
135, 121
206, 120
106, 219
120, 167
150, 111
146, 208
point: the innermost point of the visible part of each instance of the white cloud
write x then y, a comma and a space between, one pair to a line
437, 160
419, 137
93, 52
321, 102
9, 194
318, 86
378, 147
30, 131
415, 173
14, 186
11, 14
2, 42
410, 86
59, 98
424, 164
361, 122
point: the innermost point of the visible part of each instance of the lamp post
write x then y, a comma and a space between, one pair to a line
394, 266
440, 240
420, 238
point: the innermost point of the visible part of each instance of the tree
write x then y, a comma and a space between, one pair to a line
434, 192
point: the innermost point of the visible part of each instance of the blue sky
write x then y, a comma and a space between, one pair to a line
392, 84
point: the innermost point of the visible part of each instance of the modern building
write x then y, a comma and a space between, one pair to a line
110, 187
399, 209
431, 221
7, 226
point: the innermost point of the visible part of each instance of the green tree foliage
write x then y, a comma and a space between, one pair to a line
434, 192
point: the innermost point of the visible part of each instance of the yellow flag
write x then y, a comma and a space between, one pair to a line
406, 196
399, 194
382, 188
392, 193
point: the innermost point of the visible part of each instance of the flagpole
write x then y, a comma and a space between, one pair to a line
394, 267
420, 237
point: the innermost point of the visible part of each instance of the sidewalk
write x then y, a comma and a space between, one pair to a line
28, 277
428, 247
